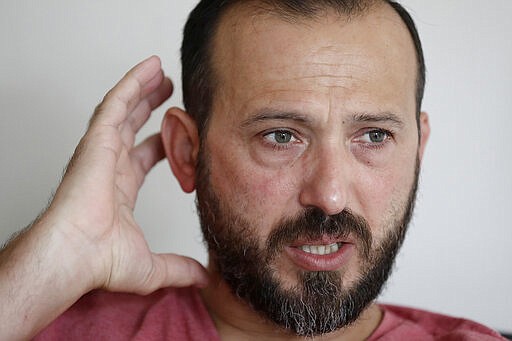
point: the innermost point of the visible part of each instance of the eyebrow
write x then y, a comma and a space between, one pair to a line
266, 115
378, 117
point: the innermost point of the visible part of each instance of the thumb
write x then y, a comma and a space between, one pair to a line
170, 270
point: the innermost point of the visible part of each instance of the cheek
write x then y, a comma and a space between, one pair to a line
383, 194
256, 193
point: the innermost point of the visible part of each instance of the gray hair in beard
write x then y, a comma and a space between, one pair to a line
320, 302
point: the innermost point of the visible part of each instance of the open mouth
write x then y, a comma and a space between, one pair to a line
324, 254
321, 249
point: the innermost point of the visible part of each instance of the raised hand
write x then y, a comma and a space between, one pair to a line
88, 237
98, 193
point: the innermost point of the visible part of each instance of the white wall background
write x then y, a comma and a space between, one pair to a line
58, 57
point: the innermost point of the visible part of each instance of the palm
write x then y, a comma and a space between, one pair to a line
99, 191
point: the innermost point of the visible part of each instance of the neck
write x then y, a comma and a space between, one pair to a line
236, 320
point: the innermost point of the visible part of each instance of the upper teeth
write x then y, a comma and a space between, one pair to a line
320, 249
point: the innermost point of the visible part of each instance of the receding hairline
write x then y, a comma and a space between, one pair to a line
240, 12
280, 10
297, 12
201, 39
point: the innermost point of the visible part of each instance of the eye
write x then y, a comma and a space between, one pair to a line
278, 146
279, 137
376, 136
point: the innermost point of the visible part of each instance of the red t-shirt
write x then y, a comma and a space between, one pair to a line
180, 314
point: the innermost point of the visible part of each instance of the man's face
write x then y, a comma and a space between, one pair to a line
308, 171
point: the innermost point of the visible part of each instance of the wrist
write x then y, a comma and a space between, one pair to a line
41, 275
72, 256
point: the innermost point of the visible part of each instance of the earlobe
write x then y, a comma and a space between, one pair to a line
424, 133
181, 144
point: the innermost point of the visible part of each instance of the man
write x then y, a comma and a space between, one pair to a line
303, 138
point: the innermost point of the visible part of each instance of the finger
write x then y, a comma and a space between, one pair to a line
142, 112
176, 271
126, 95
146, 155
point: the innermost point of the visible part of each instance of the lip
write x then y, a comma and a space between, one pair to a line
312, 262
324, 240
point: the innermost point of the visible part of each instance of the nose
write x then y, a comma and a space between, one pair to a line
325, 182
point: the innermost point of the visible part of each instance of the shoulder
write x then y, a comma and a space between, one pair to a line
409, 323
119, 316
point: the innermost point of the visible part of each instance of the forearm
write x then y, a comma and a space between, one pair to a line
41, 275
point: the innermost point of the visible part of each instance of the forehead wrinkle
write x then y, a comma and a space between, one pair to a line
343, 72
270, 96
323, 81
347, 63
327, 63
266, 87
322, 75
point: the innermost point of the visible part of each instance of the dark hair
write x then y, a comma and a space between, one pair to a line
199, 83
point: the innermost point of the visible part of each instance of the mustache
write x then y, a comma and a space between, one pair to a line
313, 223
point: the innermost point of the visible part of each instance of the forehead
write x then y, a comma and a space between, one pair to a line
366, 60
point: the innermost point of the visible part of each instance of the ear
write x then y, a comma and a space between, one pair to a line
181, 144
424, 133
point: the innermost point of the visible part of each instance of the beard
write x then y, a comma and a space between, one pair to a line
319, 302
